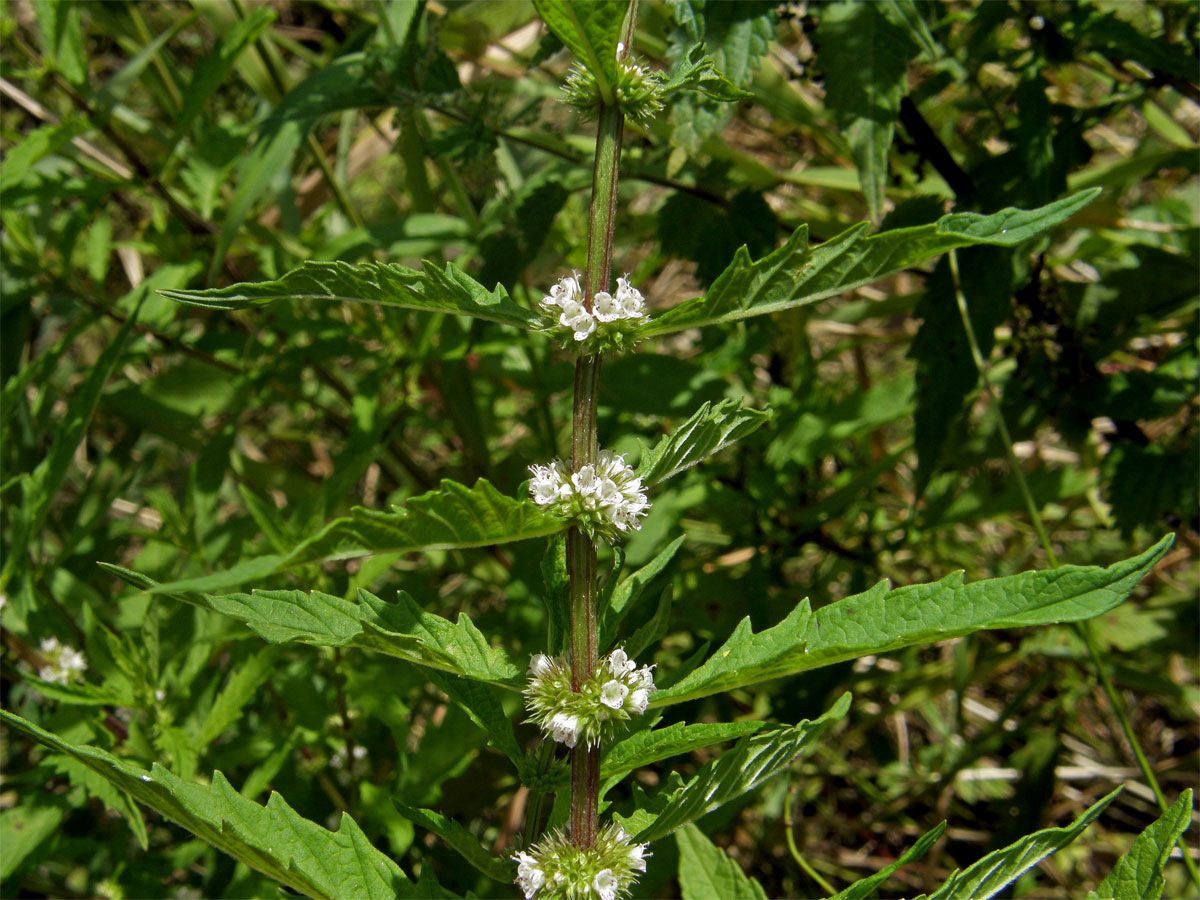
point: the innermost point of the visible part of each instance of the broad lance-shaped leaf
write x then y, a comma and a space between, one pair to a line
797, 274
751, 761
272, 839
997, 870
643, 748
401, 629
864, 887
461, 840
591, 29
1138, 875
881, 620
706, 871
439, 290
709, 430
452, 517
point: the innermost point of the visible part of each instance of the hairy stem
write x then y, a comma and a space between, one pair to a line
581, 552
1082, 629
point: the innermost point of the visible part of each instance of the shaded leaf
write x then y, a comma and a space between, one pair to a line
461, 840
272, 839
697, 71
881, 620
706, 871
864, 55
796, 274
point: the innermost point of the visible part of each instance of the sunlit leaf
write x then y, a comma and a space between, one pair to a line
1138, 875
881, 620
706, 871
272, 839
796, 274
997, 870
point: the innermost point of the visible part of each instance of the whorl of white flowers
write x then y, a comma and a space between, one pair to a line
556, 868
63, 664
605, 499
611, 323
609, 697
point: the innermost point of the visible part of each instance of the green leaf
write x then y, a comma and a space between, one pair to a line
751, 761
401, 629
865, 56
629, 591
592, 30
39, 489
272, 839
795, 274
211, 70
645, 747
453, 517
442, 290
461, 840
23, 828
997, 870
243, 685
343, 84
1138, 875
706, 871
709, 430
737, 36
863, 888
697, 71
40, 143
881, 620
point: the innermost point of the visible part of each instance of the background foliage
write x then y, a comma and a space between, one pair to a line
159, 147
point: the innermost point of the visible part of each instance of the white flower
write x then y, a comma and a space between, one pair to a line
62, 663
605, 307
540, 665
605, 884
605, 498
613, 694
564, 728
636, 853
639, 700
529, 876
565, 306
630, 299
620, 663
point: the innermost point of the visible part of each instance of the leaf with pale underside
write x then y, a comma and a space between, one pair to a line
741, 769
882, 620
710, 429
796, 274
591, 29
272, 839
401, 629
435, 289
999, 869
453, 517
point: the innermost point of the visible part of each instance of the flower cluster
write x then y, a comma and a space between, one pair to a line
63, 663
604, 499
638, 90
610, 324
556, 868
614, 693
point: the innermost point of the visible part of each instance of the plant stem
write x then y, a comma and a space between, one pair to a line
1082, 629
581, 552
